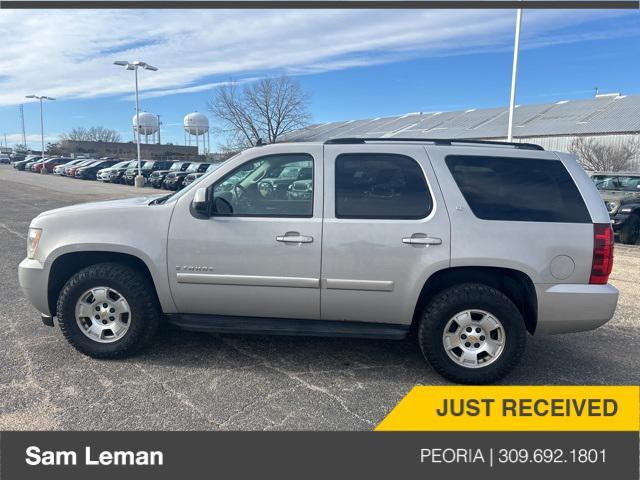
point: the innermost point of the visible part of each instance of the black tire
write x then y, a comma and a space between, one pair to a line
457, 299
139, 293
630, 230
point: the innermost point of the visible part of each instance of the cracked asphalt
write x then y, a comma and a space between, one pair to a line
193, 381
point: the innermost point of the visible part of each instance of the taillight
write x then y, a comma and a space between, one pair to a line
602, 253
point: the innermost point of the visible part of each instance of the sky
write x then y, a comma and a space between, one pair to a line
352, 63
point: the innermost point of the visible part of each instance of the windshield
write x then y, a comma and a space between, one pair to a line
193, 168
121, 164
148, 165
176, 167
627, 183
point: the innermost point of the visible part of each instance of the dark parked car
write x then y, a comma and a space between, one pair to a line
148, 167
192, 177
89, 172
26, 163
158, 176
175, 180
117, 174
621, 195
16, 157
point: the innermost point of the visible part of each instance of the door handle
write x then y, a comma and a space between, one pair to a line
421, 239
294, 237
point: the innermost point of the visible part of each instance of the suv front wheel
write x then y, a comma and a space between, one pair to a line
630, 230
108, 310
472, 333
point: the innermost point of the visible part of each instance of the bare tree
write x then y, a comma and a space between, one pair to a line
596, 156
93, 134
266, 109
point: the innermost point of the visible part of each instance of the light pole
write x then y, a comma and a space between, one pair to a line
514, 75
41, 97
139, 182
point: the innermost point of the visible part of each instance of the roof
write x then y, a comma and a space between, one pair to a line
600, 115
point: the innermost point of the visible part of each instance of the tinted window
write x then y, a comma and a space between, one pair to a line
519, 189
380, 186
255, 190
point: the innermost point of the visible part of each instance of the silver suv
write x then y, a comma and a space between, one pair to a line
466, 245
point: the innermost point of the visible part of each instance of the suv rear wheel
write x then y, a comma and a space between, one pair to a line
108, 310
472, 333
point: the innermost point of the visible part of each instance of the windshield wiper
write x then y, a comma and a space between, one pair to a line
160, 200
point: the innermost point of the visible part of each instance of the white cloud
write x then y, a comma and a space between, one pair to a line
69, 54
32, 139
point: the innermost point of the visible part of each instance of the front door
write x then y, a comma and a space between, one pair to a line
386, 230
259, 253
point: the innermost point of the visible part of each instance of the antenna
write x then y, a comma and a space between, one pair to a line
24, 136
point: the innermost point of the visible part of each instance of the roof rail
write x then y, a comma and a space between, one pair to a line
435, 141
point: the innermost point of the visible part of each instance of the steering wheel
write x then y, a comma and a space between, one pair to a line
265, 189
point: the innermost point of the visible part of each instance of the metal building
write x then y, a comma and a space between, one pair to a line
609, 118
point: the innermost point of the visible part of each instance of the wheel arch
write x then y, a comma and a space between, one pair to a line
516, 285
67, 264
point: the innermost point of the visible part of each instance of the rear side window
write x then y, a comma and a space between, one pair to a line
380, 186
518, 189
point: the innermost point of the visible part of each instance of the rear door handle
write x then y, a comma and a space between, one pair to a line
294, 237
421, 239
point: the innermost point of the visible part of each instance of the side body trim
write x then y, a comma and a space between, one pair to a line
370, 285
248, 280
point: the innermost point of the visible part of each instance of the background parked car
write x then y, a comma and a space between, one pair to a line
71, 171
59, 169
117, 174
104, 174
22, 165
29, 166
621, 195
89, 172
16, 157
175, 180
157, 177
50, 164
4, 158
192, 177
148, 167
26, 160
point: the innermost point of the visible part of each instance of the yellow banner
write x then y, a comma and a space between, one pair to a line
511, 408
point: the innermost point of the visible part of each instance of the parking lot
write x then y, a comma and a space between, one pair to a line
190, 381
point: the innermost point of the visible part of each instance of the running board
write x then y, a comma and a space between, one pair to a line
288, 326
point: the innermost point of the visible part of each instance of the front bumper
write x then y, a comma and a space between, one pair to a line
567, 308
618, 220
33, 278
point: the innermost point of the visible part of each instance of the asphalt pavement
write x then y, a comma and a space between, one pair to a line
192, 381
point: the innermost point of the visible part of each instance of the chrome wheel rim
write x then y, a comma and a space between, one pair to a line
474, 338
103, 314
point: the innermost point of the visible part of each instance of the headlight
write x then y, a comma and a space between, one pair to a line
33, 239
613, 206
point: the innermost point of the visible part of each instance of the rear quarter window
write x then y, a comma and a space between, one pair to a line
518, 189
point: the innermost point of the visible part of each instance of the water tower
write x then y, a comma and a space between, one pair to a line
197, 125
149, 126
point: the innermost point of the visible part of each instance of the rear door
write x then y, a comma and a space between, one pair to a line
386, 229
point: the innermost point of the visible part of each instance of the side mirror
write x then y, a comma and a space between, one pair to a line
221, 206
200, 202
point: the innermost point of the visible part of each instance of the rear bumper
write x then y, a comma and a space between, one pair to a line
33, 279
567, 308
